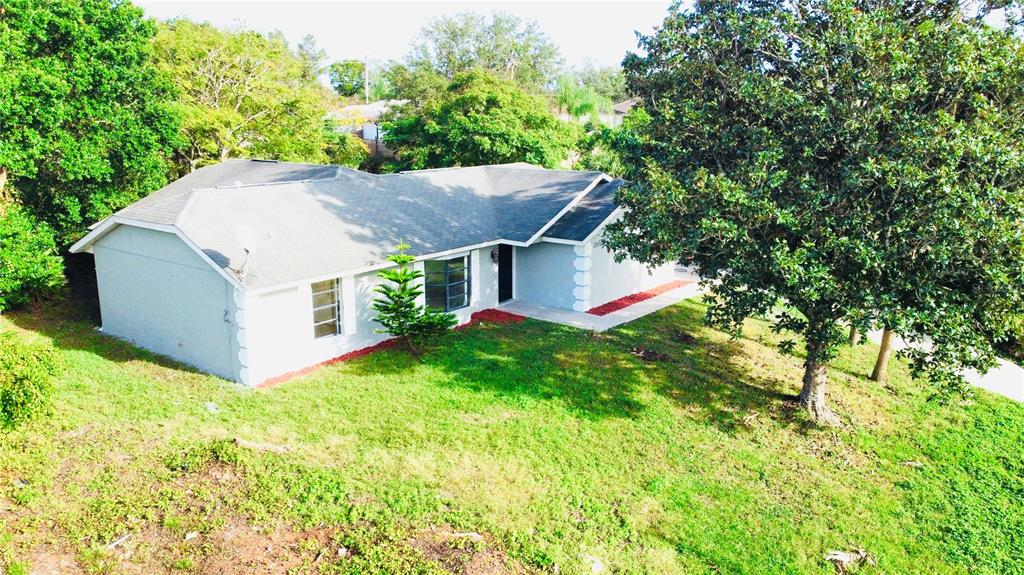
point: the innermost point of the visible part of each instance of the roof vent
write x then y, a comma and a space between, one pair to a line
263, 160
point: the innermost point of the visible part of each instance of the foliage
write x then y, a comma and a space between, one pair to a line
29, 264
399, 81
397, 309
26, 379
579, 100
504, 430
345, 148
602, 148
848, 181
607, 81
87, 118
347, 77
480, 119
243, 94
505, 45
1013, 345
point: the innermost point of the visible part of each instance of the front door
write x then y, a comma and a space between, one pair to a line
504, 272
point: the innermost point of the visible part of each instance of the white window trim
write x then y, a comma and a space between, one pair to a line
337, 305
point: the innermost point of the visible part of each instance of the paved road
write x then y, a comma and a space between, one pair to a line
1006, 378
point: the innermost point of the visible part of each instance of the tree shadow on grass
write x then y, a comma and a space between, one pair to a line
598, 375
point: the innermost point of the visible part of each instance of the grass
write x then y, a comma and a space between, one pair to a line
510, 448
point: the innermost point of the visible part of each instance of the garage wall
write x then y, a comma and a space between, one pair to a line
159, 294
544, 275
279, 324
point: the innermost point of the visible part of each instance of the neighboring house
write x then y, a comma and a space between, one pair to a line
620, 109
363, 120
251, 269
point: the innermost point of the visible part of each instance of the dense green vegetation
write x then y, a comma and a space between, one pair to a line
26, 379
478, 119
557, 446
29, 264
812, 153
87, 118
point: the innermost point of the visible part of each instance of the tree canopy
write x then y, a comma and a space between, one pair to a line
87, 119
504, 44
479, 119
347, 77
242, 94
855, 162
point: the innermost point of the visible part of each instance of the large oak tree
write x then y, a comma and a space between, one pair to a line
852, 161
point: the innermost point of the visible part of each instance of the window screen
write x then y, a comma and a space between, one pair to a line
447, 283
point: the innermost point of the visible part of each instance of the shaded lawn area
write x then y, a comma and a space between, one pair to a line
511, 448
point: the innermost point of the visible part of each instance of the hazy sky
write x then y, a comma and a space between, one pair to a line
594, 30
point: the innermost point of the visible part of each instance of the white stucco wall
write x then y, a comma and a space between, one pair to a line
610, 280
279, 323
544, 275
159, 294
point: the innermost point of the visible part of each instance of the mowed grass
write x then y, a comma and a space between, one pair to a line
563, 450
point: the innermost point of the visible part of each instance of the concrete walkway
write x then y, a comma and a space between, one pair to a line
602, 322
1006, 378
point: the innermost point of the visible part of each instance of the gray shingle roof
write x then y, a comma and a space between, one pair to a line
587, 214
299, 221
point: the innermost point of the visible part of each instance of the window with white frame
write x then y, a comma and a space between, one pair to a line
447, 282
326, 308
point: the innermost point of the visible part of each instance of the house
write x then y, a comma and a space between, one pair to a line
363, 120
250, 269
620, 109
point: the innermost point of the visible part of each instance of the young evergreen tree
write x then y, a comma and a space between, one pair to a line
397, 308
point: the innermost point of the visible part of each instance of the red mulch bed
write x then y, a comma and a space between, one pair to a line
386, 344
486, 315
491, 315
624, 302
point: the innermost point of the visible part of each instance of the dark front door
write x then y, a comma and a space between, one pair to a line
504, 272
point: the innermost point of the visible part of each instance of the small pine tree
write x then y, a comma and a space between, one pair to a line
397, 309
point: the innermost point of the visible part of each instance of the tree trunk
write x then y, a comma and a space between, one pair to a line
3, 184
812, 396
854, 335
881, 371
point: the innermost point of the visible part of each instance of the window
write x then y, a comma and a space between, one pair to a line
447, 283
326, 309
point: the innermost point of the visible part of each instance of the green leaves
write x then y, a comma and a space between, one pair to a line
855, 163
29, 264
479, 119
397, 308
243, 94
87, 119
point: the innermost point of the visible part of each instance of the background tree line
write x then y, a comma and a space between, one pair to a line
101, 106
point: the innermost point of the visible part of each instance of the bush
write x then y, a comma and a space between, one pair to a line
1014, 346
29, 264
26, 379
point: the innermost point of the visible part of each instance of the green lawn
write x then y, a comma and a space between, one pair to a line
510, 448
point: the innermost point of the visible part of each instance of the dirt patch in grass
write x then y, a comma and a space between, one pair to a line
466, 553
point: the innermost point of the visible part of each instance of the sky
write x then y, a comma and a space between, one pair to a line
597, 31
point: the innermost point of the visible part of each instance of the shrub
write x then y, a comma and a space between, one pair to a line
26, 379
29, 264
397, 309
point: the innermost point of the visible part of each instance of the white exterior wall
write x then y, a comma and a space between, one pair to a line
159, 294
544, 275
580, 277
610, 280
279, 324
